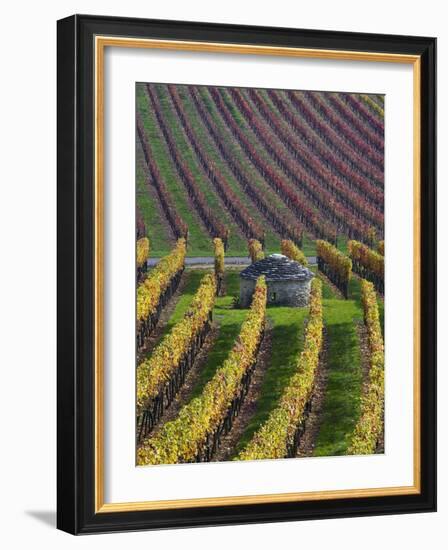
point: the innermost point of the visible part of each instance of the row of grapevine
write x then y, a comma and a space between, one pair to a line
343, 214
178, 226
255, 250
234, 205
142, 255
284, 223
157, 289
344, 165
370, 424
354, 135
212, 223
160, 377
297, 179
308, 149
219, 264
359, 108
373, 105
293, 252
335, 265
279, 436
195, 434
300, 206
367, 263
351, 188
358, 162
373, 140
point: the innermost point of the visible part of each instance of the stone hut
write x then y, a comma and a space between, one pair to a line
288, 282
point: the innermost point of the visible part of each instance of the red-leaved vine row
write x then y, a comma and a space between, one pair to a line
322, 199
235, 206
283, 222
305, 213
317, 170
178, 226
346, 165
369, 142
213, 225
359, 107
326, 149
354, 150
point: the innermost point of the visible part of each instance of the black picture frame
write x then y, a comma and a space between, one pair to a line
76, 272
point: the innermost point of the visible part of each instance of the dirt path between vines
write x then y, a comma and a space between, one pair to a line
249, 406
313, 422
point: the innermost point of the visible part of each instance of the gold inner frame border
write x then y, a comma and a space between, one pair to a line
100, 43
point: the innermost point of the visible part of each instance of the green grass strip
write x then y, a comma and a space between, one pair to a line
287, 343
192, 282
229, 321
341, 407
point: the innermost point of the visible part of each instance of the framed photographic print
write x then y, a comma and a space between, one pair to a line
246, 274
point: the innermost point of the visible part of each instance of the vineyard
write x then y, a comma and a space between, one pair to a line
229, 180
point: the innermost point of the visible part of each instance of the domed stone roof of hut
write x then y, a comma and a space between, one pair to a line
277, 267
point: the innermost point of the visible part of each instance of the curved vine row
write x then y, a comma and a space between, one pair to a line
370, 424
335, 265
367, 263
157, 288
161, 375
283, 223
355, 154
214, 226
303, 182
305, 213
178, 226
279, 436
231, 200
357, 106
348, 184
194, 435
358, 133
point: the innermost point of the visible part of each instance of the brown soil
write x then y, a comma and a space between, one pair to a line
249, 406
313, 422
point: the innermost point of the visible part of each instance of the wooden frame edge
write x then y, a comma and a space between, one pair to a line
110, 41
